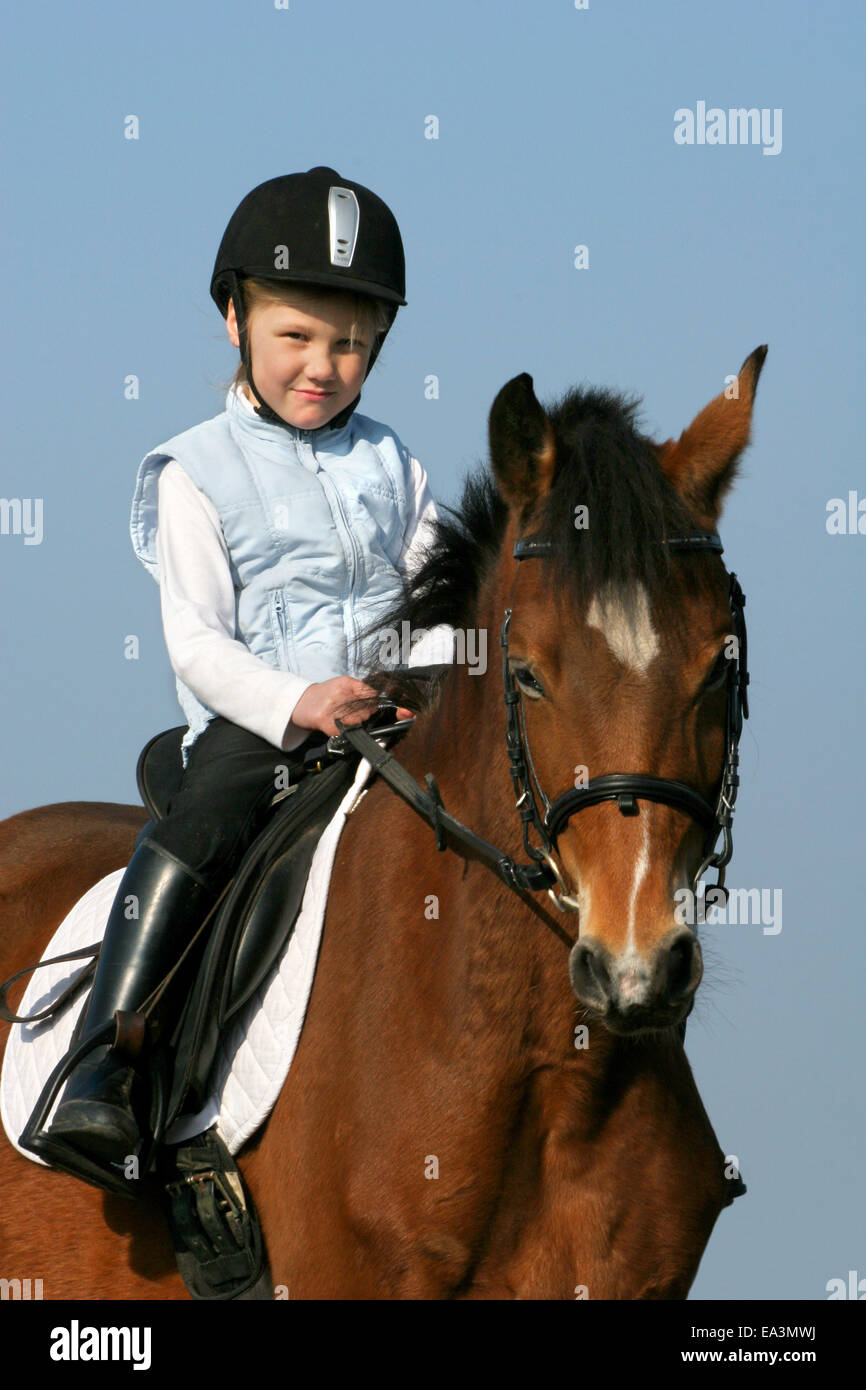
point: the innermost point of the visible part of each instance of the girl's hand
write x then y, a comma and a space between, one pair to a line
321, 702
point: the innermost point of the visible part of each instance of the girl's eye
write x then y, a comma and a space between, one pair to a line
344, 342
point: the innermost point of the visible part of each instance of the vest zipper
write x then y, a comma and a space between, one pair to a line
331, 487
281, 624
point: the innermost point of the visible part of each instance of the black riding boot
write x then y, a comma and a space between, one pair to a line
97, 1111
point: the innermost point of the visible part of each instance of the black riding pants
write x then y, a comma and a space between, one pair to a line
223, 799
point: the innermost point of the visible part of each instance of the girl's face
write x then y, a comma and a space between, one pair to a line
303, 365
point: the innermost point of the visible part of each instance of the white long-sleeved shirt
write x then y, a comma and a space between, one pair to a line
198, 610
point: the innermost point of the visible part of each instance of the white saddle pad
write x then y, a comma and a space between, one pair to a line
255, 1052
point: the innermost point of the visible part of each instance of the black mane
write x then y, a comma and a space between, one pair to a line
605, 464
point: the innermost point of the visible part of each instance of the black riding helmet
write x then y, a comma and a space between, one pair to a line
315, 229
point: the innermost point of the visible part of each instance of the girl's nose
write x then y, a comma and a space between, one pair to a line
320, 366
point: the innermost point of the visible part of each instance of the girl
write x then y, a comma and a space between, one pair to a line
277, 532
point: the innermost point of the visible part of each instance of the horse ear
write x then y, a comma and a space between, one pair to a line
702, 463
522, 445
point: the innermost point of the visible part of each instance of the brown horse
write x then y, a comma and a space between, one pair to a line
474, 1109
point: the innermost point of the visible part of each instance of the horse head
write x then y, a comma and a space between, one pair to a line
619, 642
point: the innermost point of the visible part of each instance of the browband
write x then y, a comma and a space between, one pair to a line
697, 540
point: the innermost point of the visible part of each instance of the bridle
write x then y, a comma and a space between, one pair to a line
627, 788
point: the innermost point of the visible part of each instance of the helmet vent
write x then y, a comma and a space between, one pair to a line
343, 218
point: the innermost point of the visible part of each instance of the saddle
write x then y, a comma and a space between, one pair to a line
256, 917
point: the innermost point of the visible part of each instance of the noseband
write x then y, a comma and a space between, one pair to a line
627, 788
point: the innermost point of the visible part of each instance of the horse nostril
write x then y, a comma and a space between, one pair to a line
684, 965
590, 977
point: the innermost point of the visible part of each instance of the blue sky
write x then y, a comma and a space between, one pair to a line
555, 129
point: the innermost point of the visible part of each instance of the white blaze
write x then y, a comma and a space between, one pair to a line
625, 622
640, 870
626, 626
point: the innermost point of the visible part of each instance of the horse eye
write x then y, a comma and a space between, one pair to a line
526, 680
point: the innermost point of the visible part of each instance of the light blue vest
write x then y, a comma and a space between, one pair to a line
314, 521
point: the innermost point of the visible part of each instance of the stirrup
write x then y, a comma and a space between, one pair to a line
64, 1156
213, 1221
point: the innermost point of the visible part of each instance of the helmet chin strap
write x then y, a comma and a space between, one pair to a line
265, 411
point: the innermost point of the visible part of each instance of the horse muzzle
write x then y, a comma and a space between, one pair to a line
633, 993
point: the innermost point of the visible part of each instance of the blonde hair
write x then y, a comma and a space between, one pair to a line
369, 315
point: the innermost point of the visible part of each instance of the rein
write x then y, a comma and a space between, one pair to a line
626, 789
